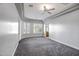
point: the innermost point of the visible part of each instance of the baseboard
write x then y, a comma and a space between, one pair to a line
65, 44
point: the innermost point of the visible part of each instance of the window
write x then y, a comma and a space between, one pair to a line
24, 27
28, 28
37, 28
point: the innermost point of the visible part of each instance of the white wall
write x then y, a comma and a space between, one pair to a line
65, 29
8, 29
8, 37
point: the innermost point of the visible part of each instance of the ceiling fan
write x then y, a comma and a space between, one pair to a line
45, 9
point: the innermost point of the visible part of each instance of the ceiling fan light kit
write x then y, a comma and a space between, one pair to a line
45, 9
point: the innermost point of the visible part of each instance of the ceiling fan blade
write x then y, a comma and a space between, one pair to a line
49, 12
51, 9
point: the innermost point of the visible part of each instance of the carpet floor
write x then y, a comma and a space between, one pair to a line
41, 46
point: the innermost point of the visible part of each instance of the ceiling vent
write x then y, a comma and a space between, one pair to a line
30, 5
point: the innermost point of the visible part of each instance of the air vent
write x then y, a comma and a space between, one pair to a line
30, 5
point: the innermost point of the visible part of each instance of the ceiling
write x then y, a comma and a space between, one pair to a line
35, 11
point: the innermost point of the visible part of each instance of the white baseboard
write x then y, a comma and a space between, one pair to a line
65, 43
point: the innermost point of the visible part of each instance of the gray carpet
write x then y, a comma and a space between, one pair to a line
41, 46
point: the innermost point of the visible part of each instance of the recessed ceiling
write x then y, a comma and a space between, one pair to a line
36, 10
